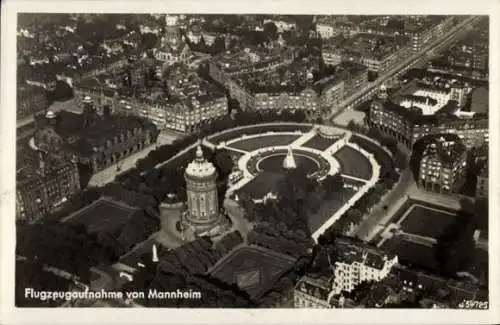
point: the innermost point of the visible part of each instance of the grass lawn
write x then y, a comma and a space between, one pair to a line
235, 133
265, 141
426, 221
353, 163
319, 143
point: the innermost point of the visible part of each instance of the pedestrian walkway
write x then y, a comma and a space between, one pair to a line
448, 201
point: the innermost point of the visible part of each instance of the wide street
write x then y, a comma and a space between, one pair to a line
380, 215
437, 45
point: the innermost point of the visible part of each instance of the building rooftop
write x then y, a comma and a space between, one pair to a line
448, 148
143, 251
294, 78
456, 292
343, 72
29, 175
83, 139
253, 57
415, 114
254, 269
102, 216
374, 46
315, 285
350, 251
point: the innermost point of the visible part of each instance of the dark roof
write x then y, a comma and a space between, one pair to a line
141, 251
102, 216
455, 291
446, 152
343, 71
195, 257
71, 126
254, 269
315, 285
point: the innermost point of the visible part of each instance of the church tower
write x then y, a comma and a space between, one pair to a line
172, 29
203, 213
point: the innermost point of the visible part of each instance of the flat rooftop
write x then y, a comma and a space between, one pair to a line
102, 216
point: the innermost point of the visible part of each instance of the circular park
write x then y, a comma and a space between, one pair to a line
321, 151
259, 152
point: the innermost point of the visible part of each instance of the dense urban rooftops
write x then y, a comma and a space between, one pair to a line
349, 252
29, 173
416, 116
293, 78
373, 46
344, 71
250, 58
447, 147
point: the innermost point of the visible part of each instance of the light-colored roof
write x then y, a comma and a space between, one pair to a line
200, 167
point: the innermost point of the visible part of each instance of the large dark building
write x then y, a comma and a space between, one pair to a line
30, 101
99, 139
45, 177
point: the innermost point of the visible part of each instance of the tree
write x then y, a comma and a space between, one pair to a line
223, 162
455, 248
355, 216
333, 184
270, 31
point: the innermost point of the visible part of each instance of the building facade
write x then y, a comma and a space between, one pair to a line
99, 139
409, 124
46, 176
357, 264
30, 101
443, 165
312, 291
306, 100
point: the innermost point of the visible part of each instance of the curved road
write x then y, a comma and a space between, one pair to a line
379, 216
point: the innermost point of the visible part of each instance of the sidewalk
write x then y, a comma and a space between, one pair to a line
394, 200
443, 200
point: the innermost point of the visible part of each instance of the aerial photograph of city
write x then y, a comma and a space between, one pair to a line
252, 161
